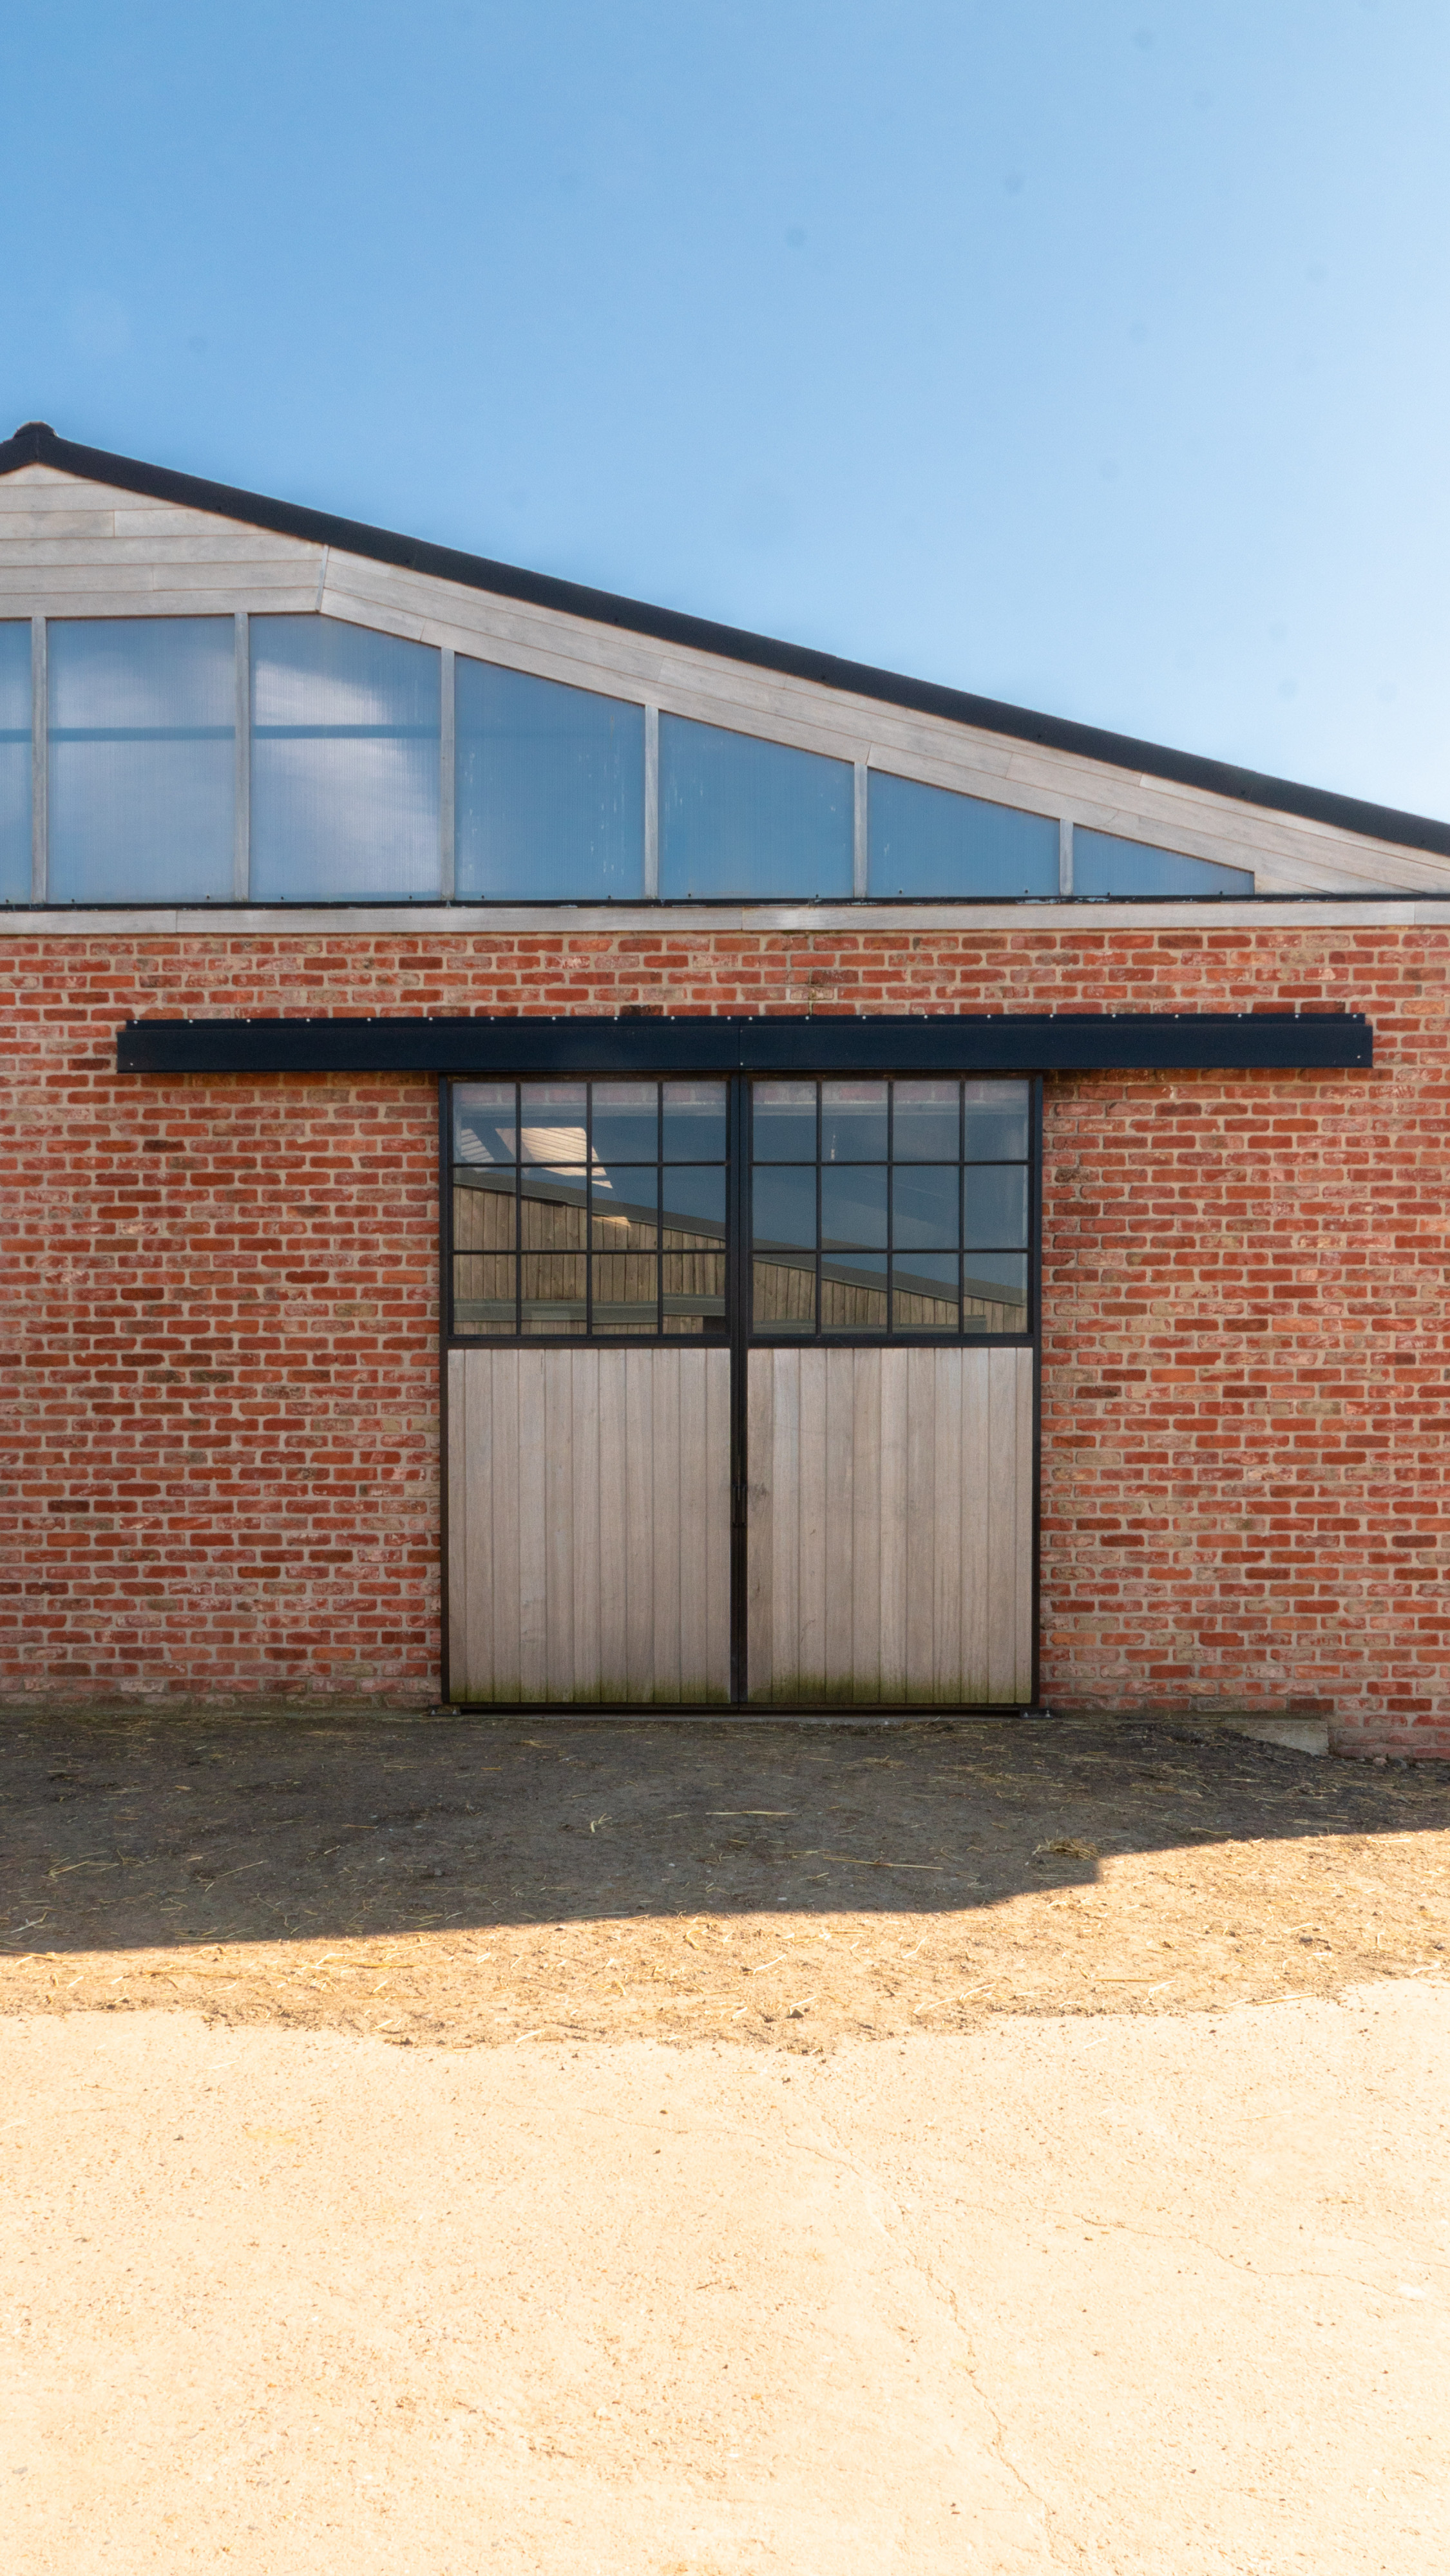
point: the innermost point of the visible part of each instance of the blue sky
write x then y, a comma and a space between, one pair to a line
1093, 357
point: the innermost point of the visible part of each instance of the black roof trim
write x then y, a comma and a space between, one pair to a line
1146, 1042
36, 443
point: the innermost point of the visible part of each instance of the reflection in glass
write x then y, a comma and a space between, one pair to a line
744, 818
853, 1293
996, 1122
694, 1199
784, 1205
552, 1212
1102, 865
485, 1129
783, 1297
15, 761
694, 1122
924, 1293
142, 759
626, 1122
552, 1122
931, 841
924, 1199
694, 1292
550, 789
853, 1122
996, 1205
626, 1292
624, 1208
926, 1122
553, 1292
853, 1204
485, 1289
345, 731
994, 1292
783, 1121
484, 1210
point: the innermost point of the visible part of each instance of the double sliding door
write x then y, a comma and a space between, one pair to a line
740, 1395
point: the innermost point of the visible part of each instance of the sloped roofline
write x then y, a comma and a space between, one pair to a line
36, 443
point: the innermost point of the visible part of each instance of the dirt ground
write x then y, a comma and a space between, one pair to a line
474, 1882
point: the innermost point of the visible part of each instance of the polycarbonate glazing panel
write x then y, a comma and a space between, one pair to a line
15, 761
930, 841
345, 732
550, 789
142, 759
1102, 865
750, 819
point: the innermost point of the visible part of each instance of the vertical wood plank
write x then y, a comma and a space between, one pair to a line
613, 1528
785, 1625
761, 1505
692, 1575
1023, 1549
506, 1507
586, 1390
638, 1520
946, 1527
838, 1509
716, 1511
811, 1470
893, 1524
558, 1473
665, 1503
1002, 1526
866, 1526
976, 1513
461, 1589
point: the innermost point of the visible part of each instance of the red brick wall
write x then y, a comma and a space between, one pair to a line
220, 1321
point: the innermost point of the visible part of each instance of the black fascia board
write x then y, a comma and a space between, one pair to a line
37, 444
1146, 1042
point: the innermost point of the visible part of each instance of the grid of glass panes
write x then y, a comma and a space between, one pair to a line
889, 1207
591, 1208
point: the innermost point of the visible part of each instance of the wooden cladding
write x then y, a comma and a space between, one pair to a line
589, 1526
890, 1527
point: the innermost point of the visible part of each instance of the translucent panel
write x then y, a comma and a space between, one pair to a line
142, 759
344, 763
485, 1129
485, 1212
694, 1198
996, 1122
15, 761
853, 1204
550, 789
783, 1296
553, 1292
783, 1121
740, 817
694, 1292
853, 1122
926, 840
853, 1294
1103, 865
785, 1204
996, 1206
626, 1292
924, 1200
994, 1292
924, 1293
626, 1121
484, 1295
926, 1123
552, 1122
624, 1208
694, 1122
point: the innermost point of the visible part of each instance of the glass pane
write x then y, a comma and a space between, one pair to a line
928, 840
853, 1294
553, 1292
344, 762
626, 1292
926, 1122
625, 1208
783, 1121
694, 1122
1103, 865
994, 1292
924, 1205
853, 1122
550, 789
784, 1201
694, 1199
751, 819
784, 1299
626, 1121
551, 1122
694, 1286
853, 1204
552, 1212
483, 1295
484, 1211
15, 761
142, 759
996, 1205
996, 1122
484, 1125
924, 1293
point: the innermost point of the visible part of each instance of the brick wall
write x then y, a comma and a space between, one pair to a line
221, 1469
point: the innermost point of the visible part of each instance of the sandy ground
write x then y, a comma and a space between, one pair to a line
719, 2149
1138, 2295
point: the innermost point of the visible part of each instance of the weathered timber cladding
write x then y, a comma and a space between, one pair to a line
890, 1526
589, 1525
221, 1436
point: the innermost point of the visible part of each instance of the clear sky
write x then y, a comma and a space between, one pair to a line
1090, 356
